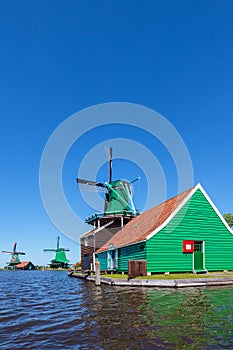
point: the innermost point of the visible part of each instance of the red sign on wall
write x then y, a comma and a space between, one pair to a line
188, 246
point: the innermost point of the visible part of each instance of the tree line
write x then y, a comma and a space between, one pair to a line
229, 219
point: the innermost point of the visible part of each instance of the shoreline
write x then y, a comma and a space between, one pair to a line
159, 283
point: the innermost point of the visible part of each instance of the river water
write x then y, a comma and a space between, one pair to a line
49, 310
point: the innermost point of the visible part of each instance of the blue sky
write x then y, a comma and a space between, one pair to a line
59, 57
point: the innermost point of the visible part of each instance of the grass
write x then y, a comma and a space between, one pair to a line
173, 276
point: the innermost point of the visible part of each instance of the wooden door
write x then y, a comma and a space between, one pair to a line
86, 262
198, 256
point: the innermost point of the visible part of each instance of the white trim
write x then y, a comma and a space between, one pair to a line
94, 261
121, 246
203, 247
203, 251
193, 259
92, 232
186, 199
166, 222
215, 208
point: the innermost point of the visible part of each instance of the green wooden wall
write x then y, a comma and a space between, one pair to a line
131, 252
197, 220
102, 258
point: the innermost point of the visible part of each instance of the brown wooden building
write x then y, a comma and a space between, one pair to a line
91, 241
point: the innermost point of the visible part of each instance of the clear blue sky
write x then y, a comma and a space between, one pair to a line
58, 57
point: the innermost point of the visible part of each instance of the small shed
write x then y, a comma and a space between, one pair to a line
25, 265
186, 233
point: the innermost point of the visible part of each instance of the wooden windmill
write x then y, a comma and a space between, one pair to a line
118, 210
60, 260
14, 257
118, 206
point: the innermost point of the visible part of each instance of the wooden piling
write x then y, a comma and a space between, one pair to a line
97, 273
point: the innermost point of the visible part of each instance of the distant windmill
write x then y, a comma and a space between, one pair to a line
60, 260
14, 257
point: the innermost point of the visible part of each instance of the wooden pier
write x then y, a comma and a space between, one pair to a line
157, 283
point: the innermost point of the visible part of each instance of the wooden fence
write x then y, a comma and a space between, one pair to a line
136, 268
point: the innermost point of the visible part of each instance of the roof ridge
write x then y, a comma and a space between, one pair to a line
172, 198
144, 224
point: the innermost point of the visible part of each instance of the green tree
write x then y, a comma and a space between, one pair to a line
229, 219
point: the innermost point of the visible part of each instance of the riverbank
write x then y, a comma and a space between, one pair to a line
207, 280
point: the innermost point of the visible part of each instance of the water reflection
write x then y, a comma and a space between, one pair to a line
163, 319
192, 319
52, 311
179, 319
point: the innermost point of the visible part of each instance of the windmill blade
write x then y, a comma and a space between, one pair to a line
14, 247
108, 153
88, 182
110, 164
49, 250
13, 253
138, 178
85, 188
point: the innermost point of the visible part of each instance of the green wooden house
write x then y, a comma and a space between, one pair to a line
186, 233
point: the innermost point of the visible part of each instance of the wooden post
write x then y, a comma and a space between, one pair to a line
97, 273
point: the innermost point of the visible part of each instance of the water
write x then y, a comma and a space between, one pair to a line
49, 310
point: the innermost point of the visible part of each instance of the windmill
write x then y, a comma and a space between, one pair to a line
118, 205
14, 257
60, 260
118, 210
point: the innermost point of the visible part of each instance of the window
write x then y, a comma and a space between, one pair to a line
198, 246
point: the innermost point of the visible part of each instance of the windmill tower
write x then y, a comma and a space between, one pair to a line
60, 260
118, 205
14, 257
118, 210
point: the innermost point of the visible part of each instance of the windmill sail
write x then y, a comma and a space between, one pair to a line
60, 260
91, 183
118, 198
110, 164
14, 257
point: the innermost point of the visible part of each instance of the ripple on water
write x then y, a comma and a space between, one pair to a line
49, 310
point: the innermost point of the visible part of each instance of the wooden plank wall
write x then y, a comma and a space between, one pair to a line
136, 268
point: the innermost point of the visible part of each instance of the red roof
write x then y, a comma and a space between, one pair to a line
22, 264
142, 225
